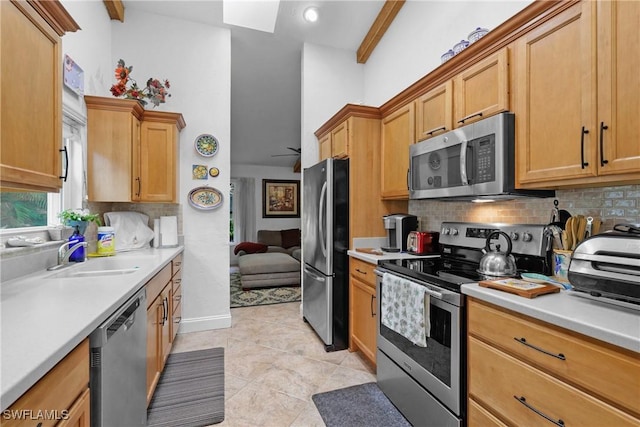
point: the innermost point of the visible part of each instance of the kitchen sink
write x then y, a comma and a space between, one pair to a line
98, 268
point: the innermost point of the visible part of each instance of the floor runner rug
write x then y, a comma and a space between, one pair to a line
261, 296
190, 392
356, 406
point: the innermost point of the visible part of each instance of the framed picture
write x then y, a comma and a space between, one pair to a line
280, 198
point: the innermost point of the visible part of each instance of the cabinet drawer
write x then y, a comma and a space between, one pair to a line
613, 374
176, 265
516, 391
176, 295
478, 416
363, 271
57, 390
157, 283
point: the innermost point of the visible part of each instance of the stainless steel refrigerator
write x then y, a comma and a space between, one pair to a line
325, 242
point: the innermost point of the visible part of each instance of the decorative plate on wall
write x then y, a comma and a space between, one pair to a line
206, 145
205, 198
214, 172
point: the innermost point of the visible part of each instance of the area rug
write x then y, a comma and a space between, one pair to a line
261, 296
190, 392
359, 405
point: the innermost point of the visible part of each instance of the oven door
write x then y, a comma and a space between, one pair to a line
436, 367
440, 167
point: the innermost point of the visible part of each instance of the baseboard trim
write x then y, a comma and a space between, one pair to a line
197, 324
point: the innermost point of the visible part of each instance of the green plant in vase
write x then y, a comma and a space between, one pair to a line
79, 218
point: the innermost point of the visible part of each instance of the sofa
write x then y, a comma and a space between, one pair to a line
274, 260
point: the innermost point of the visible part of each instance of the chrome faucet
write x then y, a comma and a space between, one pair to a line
64, 253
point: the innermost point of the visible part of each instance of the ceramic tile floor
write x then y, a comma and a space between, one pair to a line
274, 363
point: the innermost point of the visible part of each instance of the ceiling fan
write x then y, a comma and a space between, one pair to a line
296, 151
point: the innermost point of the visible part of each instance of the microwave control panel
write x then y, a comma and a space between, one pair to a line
485, 155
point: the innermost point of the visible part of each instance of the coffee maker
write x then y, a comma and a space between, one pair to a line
398, 227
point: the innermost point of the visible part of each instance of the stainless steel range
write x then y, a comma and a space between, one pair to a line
425, 378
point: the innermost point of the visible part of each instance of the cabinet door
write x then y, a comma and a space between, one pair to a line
31, 101
363, 318
434, 111
113, 128
153, 339
325, 146
555, 99
79, 413
397, 135
165, 328
483, 89
340, 141
134, 178
618, 87
158, 152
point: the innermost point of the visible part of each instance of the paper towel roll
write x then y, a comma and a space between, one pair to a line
169, 231
156, 233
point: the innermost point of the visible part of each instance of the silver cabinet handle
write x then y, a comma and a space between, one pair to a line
464, 119
177, 298
373, 313
177, 319
522, 400
360, 271
432, 131
523, 341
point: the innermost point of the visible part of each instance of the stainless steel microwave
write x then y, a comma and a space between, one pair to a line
473, 162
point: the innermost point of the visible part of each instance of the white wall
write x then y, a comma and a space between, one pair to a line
267, 172
331, 78
420, 33
196, 60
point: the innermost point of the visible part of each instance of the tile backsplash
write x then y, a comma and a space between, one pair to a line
612, 204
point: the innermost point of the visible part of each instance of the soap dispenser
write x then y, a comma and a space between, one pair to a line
77, 255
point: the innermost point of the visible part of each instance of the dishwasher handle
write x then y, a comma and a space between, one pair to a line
123, 318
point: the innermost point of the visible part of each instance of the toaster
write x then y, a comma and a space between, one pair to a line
607, 267
422, 242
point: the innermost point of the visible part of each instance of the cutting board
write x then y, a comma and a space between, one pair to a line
520, 287
370, 251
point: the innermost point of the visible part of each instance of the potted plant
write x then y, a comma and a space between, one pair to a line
79, 218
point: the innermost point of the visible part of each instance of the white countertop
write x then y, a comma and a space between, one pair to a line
374, 259
43, 318
612, 324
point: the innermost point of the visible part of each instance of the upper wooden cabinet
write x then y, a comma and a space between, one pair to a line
482, 90
158, 154
132, 153
434, 111
577, 99
335, 143
113, 129
31, 101
398, 133
360, 126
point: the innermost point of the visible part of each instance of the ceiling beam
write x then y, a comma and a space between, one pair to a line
115, 9
384, 19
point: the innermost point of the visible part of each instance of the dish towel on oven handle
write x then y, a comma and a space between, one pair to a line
404, 308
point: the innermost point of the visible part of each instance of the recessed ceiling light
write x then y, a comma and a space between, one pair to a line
310, 14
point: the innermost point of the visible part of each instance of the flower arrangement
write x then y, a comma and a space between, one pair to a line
79, 215
155, 90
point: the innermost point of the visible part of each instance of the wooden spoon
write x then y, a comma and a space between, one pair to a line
567, 235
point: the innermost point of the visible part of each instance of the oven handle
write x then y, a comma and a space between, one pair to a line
434, 294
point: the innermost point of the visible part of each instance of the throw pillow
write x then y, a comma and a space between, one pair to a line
290, 237
250, 248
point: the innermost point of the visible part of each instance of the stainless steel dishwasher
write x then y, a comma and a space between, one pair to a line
118, 378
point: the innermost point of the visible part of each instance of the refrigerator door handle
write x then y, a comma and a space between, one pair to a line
322, 218
314, 275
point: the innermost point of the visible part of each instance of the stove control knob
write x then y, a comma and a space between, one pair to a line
454, 231
445, 231
526, 237
514, 236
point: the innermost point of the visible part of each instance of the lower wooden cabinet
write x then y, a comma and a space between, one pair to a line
163, 290
525, 372
363, 309
63, 392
